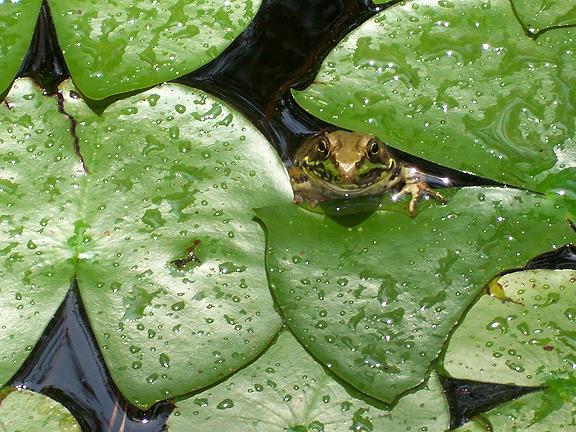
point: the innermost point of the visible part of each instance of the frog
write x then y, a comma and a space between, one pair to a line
341, 164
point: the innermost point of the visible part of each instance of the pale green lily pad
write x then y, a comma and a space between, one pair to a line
17, 22
25, 411
458, 83
172, 175
528, 340
286, 390
38, 171
375, 301
113, 46
537, 15
159, 233
553, 409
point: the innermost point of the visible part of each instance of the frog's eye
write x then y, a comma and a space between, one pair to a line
323, 147
374, 148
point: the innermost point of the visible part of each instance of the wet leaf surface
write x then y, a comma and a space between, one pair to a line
286, 390
159, 232
152, 42
552, 409
375, 301
461, 84
25, 411
537, 15
528, 339
38, 172
17, 21
171, 261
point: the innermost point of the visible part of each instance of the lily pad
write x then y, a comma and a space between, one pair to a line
375, 301
538, 15
17, 22
158, 231
526, 337
458, 83
38, 173
25, 411
286, 390
171, 262
152, 42
553, 409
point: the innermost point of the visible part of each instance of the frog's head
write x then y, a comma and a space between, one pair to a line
345, 160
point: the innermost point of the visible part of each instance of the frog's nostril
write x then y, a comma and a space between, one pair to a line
347, 171
346, 168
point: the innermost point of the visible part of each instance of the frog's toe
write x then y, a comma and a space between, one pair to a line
297, 199
313, 203
437, 196
417, 190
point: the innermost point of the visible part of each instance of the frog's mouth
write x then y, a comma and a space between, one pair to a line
332, 181
371, 177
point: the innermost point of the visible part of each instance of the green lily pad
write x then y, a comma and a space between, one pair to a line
17, 22
538, 15
160, 236
25, 411
457, 83
528, 339
286, 390
171, 262
553, 409
375, 301
38, 173
151, 42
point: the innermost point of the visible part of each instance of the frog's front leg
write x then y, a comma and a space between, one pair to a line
301, 187
416, 187
297, 175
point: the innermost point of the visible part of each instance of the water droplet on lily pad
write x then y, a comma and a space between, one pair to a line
164, 360
498, 323
230, 267
225, 404
153, 99
178, 306
152, 378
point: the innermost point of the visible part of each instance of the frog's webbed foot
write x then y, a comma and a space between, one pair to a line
417, 189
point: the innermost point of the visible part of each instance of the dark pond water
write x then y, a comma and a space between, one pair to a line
282, 49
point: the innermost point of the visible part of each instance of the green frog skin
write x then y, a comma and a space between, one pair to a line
341, 164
